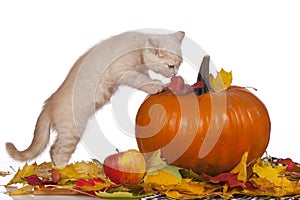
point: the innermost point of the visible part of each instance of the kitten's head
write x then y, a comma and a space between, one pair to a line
163, 53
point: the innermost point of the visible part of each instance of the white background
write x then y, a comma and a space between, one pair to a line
40, 40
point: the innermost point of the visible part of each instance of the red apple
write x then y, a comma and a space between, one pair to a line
125, 167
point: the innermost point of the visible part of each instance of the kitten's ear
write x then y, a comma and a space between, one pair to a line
152, 43
179, 35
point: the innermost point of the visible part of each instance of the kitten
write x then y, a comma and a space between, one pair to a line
120, 60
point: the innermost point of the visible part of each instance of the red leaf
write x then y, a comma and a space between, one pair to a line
291, 165
34, 180
289, 162
229, 178
83, 182
249, 185
295, 169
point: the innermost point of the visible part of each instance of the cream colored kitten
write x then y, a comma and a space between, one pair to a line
120, 60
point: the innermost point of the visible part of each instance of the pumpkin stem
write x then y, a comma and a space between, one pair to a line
203, 75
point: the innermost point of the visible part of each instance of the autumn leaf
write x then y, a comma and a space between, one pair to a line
293, 176
95, 184
221, 82
262, 184
187, 186
268, 179
175, 171
162, 178
241, 168
34, 180
227, 177
188, 174
189, 189
265, 189
156, 162
291, 165
272, 174
28, 189
173, 194
26, 171
79, 170
120, 195
31, 174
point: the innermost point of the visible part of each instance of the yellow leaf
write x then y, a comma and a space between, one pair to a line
272, 174
27, 170
275, 192
156, 162
221, 82
262, 184
119, 195
162, 178
28, 189
173, 194
84, 170
190, 189
241, 168
97, 186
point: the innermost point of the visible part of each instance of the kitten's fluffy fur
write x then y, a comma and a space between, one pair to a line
120, 60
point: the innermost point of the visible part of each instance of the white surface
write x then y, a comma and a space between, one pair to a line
40, 40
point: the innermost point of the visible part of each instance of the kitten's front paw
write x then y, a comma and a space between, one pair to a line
153, 88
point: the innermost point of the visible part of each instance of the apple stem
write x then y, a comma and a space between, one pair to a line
117, 150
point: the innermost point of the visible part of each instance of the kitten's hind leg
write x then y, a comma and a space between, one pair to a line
63, 147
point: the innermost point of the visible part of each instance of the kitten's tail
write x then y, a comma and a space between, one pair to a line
39, 142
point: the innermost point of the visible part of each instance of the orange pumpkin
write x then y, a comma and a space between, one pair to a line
207, 133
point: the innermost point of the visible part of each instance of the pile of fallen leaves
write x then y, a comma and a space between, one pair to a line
261, 177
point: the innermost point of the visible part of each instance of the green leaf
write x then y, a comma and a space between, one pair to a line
156, 162
173, 170
189, 174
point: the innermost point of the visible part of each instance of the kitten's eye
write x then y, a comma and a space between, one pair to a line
171, 66
161, 54
156, 51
